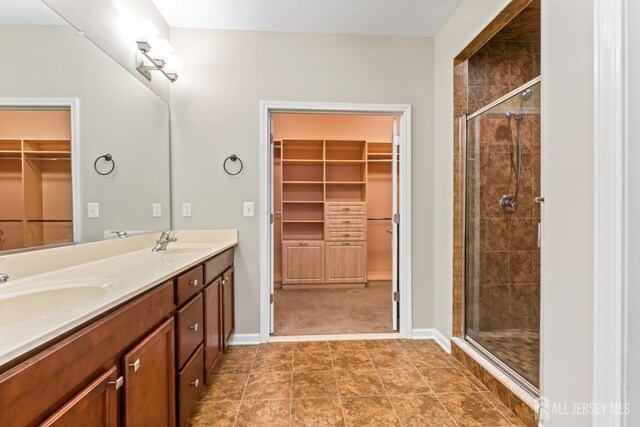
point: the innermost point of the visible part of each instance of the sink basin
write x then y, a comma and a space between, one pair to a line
44, 303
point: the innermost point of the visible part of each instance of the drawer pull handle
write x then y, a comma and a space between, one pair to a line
117, 383
390, 231
194, 327
135, 365
195, 382
346, 209
303, 244
193, 283
346, 235
346, 244
346, 222
223, 281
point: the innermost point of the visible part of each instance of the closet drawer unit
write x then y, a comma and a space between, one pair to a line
189, 284
190, 385
189, 329
350, 234
345, 208
345, 222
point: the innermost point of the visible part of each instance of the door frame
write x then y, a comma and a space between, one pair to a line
266, 239
73, 105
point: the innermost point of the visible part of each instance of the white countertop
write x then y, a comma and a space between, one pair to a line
36, 308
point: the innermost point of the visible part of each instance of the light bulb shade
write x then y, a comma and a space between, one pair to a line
160, 49
144, 30
174, 65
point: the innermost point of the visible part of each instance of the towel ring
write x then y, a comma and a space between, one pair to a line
233, 158
107, 158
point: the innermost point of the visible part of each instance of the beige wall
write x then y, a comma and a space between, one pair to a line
215, 112
468, 21
118, 115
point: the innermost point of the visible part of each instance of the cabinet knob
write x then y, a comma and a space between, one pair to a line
135, 365
195, 382
117, 383
194, 327
193, 283
538, 199
223, 281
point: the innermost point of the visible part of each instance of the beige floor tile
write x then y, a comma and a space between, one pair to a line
346, 345
316, 413
359, 383
369, 411
447, 380
403, 381
276, 347
275, 385
235, 364
262, 413
472, 409
502, 408
214, 414
312, 361
273, 362
242, 349
421, 410
225, 387
390, 359
376, 345
314, 384
351, 360
427, 359
307, 346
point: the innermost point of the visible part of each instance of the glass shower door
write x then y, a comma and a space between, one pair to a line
502, 254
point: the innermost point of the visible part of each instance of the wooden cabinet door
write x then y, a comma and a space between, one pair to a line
96, 405
303, 262
212, 327
228, 308
346, 262
149, 380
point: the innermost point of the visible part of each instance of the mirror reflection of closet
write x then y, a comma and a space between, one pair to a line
35, 178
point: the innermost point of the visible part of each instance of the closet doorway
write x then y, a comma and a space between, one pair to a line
335, 196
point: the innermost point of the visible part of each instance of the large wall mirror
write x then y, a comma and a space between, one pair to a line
64, 105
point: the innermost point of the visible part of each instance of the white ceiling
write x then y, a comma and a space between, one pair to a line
28, 12
370, 17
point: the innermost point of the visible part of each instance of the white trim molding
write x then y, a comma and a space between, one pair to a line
609, 186
433, 334
74, 105
244, 339
404, 265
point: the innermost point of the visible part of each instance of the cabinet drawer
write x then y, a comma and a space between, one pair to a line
345, 222
349, 234
214, 267
190, 385
346, 208
346, 262
189, 328
188, 284
302, 262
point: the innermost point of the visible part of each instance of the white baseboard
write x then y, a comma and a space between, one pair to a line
244, 339
432, 334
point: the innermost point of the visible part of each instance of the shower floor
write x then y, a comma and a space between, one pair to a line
520, 350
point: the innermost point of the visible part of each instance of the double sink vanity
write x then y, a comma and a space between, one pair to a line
112, 333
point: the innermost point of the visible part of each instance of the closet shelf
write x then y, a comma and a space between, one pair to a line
303, 182
49, 220
303, 221
302, 161
302, 202
346, 182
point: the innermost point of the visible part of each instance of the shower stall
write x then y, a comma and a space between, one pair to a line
501, 232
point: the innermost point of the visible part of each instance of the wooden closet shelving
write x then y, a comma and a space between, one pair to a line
35, 180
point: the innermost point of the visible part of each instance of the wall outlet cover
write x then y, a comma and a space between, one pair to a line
186, 209
157, 210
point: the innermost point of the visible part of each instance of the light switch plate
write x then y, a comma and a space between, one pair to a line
186, 209
248, 209
93, 210
157, 210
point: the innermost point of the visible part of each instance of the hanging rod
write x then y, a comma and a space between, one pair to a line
379, 219
47, 158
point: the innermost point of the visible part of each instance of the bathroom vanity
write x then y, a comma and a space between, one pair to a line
132, 343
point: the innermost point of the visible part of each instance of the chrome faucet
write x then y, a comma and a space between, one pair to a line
3, 278
163, 241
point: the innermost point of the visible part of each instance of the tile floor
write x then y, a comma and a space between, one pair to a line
347, 383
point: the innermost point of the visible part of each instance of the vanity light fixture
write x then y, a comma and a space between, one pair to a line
158, 53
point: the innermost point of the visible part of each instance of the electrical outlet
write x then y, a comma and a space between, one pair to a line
157, 210
248, 209
186, 209
93, 210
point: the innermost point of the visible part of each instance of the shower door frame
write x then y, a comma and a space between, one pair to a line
490, 357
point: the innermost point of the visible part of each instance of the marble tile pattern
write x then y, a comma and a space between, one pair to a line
361, 386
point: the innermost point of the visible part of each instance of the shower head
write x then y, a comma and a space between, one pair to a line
526, 94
